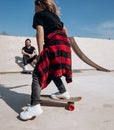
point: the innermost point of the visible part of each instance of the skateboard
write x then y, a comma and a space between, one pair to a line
47, 98
27, 72
70, 102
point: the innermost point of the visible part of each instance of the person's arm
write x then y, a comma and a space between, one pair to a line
25, 53
40, 37
34, 52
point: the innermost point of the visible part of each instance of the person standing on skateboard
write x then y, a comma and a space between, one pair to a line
54, 60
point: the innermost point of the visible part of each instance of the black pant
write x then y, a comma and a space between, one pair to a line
27, 59
36, 88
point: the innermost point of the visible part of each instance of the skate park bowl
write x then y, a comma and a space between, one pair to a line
99, 52
93, 80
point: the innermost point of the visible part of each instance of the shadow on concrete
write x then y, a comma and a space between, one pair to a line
17, 100
14, 99
76, 71
53, 104
19, 61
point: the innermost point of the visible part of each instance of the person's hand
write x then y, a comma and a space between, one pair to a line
36, 60
37, 57
30, 55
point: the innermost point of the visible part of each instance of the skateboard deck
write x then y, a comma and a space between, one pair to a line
27, 72
70, 102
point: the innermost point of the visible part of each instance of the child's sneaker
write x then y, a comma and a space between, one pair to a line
31, 112
58, 95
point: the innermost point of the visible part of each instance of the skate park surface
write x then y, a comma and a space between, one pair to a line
94, 112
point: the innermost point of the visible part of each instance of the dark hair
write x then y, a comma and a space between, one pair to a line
27, 40
36, 2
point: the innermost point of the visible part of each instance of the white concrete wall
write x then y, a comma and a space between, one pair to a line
101, 51
10, 52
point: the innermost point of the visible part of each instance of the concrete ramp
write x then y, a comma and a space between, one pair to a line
83, 57
100, 51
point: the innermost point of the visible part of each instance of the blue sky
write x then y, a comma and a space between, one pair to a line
87, 18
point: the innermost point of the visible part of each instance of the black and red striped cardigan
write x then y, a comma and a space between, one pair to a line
55, 59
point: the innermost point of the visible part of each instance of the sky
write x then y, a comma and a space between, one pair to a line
83, 18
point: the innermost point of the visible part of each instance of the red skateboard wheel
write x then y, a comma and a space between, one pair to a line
70, 106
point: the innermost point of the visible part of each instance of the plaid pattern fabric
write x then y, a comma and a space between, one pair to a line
55, 59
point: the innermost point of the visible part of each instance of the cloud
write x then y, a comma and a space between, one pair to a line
101, 30
108, 25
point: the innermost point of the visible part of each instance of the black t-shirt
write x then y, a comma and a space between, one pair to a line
29, 50
50, 21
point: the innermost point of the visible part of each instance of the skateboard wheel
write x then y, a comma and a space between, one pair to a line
70, 106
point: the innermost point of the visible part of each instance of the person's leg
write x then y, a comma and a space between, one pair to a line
62, 90
36, 90
59, 83
25, 62
34, 109
31, 59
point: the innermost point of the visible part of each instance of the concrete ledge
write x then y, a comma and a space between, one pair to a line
98, 50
